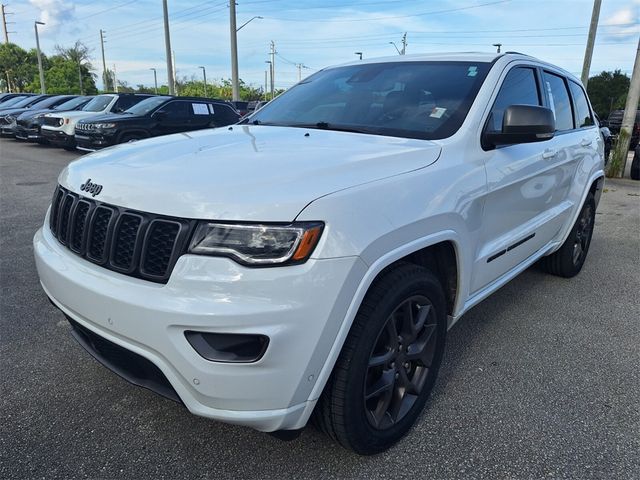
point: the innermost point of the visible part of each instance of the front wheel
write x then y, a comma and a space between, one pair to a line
388, 364
568, 260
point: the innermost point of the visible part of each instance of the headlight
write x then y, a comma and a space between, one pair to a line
257, 244
104, 125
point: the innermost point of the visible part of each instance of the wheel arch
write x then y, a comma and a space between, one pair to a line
437, 251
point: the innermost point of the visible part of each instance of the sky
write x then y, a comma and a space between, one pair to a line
318, 33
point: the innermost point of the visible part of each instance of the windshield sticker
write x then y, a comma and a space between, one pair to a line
472, 72
200, 108
437, 112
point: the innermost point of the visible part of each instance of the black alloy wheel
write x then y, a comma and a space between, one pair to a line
399, 362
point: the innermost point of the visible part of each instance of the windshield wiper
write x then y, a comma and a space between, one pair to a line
335, 127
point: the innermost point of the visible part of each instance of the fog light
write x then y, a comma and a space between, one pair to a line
228, 347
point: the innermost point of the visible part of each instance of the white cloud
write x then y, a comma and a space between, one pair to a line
54, 13
626, 21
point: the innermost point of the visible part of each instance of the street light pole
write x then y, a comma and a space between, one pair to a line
204, 74
360, 54
497, 45
43, 88
155, 79
270, 77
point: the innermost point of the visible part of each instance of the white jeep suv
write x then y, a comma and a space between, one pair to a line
309, 260
59, 128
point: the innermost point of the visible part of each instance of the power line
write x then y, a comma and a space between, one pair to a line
389, 17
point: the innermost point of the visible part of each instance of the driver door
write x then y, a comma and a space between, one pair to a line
524, 205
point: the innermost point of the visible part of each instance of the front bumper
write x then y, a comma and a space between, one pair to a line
28, 133
58, 137
300, 308
8, 130
93, 141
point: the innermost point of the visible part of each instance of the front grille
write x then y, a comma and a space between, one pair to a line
52, 121
138, 244
85, 127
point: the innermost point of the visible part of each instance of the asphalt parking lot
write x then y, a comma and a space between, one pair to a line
540, 380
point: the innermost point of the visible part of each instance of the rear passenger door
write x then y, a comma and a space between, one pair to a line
201, 114
527, 184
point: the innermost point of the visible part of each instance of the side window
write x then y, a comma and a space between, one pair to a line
559, 101
176, 109
224, 115
126, 101
519, 88
583, 114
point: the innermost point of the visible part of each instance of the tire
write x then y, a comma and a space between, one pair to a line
568, 260
371, 356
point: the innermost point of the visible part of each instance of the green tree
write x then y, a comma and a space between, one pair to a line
79, 55
608, 91
19, 67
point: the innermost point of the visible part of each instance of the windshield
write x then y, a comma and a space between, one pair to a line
47, 102
146, 105
425, 100
11, 102
71, 104
23, 102
98, 104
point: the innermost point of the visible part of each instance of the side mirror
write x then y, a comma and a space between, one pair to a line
523, 124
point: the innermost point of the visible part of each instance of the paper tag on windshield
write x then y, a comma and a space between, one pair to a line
437, 112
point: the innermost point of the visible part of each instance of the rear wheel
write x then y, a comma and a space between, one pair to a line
568, 260
388, 364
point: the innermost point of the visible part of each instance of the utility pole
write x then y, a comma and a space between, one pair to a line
299, 66
270, 79
404, 44
115, 79
43, 88
155, 79
266, 86
175, 71
619, 157
105, 74
586, 65
204, 75
80, 77
235, 83
167, 44
5, 23
273, 68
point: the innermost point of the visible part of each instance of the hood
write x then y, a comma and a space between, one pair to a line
13, 111
29, 114
251, 173
75, 114
112, 117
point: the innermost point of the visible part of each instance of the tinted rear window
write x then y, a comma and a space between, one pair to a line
559, 100
583, 114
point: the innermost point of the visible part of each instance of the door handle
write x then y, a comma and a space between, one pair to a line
549, 153
586, 142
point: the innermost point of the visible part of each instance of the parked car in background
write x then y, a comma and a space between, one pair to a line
59, 128
5, 97
310, 260
8, 115
256, 105
607, 137
615, 122
28, 124
20, 102
241, 107
152, 117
